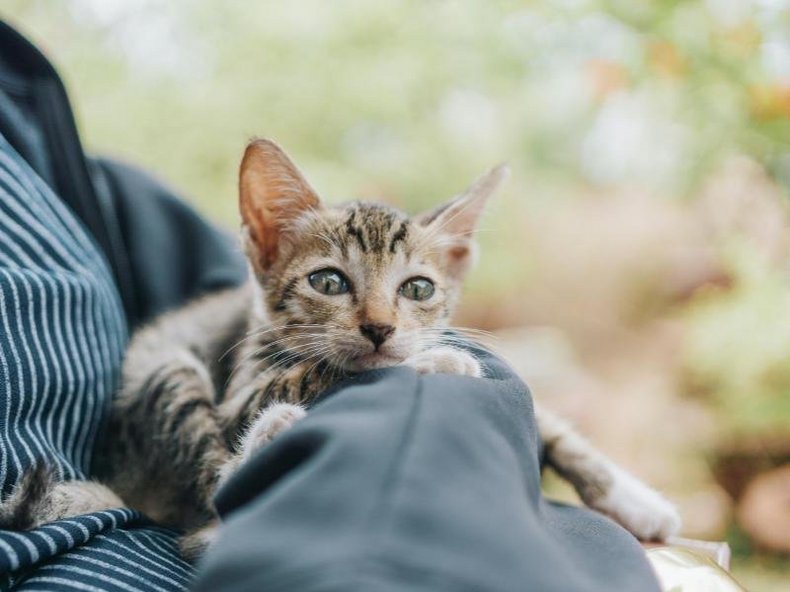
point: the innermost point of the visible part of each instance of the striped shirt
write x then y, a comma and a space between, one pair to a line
62, 337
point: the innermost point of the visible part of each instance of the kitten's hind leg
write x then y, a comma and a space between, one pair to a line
164, 436
193, 544
39, 498
603, 485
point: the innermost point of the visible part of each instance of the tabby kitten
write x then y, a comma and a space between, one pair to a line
334, 291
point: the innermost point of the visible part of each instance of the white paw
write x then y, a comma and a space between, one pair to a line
274, 419
642, 511
445, 360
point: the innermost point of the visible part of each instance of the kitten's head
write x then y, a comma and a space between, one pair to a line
360, 285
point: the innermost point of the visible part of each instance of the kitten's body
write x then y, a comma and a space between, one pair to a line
334, 291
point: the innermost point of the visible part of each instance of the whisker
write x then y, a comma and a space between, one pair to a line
260, 332
292, 353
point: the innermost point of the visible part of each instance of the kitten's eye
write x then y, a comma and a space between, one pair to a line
328, 281
417, 288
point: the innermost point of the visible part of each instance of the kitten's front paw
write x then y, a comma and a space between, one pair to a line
445, 360
274, 419
644, 512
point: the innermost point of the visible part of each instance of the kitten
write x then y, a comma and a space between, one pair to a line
334, 291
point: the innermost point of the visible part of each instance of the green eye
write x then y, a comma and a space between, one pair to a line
328, 281
417, 288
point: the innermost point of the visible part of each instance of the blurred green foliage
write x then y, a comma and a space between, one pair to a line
738, 349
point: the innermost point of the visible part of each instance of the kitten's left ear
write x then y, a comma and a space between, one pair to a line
453, 223
273, 195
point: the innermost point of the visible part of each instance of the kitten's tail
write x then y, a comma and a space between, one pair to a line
23, 507
39, 498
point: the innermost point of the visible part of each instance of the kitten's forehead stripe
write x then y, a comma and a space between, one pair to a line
376, 229
356, 231
399, 236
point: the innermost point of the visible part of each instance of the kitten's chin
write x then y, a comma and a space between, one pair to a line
372, 361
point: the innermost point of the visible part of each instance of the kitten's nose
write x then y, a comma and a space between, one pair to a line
378, 334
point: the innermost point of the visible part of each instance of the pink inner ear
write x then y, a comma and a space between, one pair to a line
258, 217
272, 192
458, 259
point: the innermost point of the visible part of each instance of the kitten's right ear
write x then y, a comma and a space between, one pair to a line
273, 194
454, 222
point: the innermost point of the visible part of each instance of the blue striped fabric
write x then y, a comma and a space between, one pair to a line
62, 336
